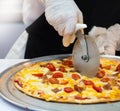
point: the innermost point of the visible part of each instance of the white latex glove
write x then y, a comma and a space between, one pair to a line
107, 40
63, 15
113, 39
99, 35
32, 9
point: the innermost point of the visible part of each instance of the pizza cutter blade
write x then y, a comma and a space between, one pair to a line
86, 58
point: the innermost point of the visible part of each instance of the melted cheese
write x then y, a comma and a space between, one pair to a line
33, 84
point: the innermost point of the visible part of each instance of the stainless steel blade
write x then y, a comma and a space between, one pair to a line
86, 58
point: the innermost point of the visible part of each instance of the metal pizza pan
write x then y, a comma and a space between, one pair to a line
12, 95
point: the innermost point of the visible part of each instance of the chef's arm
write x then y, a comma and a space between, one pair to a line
108, 40
17, 51
32, 9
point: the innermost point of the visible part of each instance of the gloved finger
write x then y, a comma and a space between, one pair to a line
96, 31
109, 50
60, 29
100, 42
70, 27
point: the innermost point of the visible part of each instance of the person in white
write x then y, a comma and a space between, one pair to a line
31, 10
63, 15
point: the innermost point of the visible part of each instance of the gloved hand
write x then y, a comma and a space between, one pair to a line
63, 15
99, 35
107, 40
113, 39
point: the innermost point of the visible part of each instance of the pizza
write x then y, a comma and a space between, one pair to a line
58, 81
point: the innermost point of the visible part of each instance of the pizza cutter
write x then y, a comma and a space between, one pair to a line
86, 58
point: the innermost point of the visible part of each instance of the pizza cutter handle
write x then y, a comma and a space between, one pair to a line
79, 34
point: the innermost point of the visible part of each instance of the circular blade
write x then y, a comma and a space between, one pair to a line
86, 66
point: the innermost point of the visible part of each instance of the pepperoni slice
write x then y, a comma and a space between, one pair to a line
62, 69
98, 89
57, 75
68, 89
67, 63
88, 82
50, 66
75, 76
101, 74
118, 68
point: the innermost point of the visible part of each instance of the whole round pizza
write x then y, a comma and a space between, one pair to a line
58, 81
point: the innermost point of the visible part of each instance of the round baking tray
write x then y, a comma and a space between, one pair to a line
14, 96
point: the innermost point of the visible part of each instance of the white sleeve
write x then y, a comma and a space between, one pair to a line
18, 49
32, 9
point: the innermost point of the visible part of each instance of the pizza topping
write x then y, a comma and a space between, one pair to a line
44, 79
118, 81
107, 87
63, 82
113, 82
108, 67
118, 75
38, 75
101, 66
62, 69
97, 88
55, 90
77, 88
101, 74
118, 68
88, 82
57, 75
39, 92
50, 66
75, 76
105, 79
67, 63
19, 83
53, 80
79, 97
68, 89
118, 87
